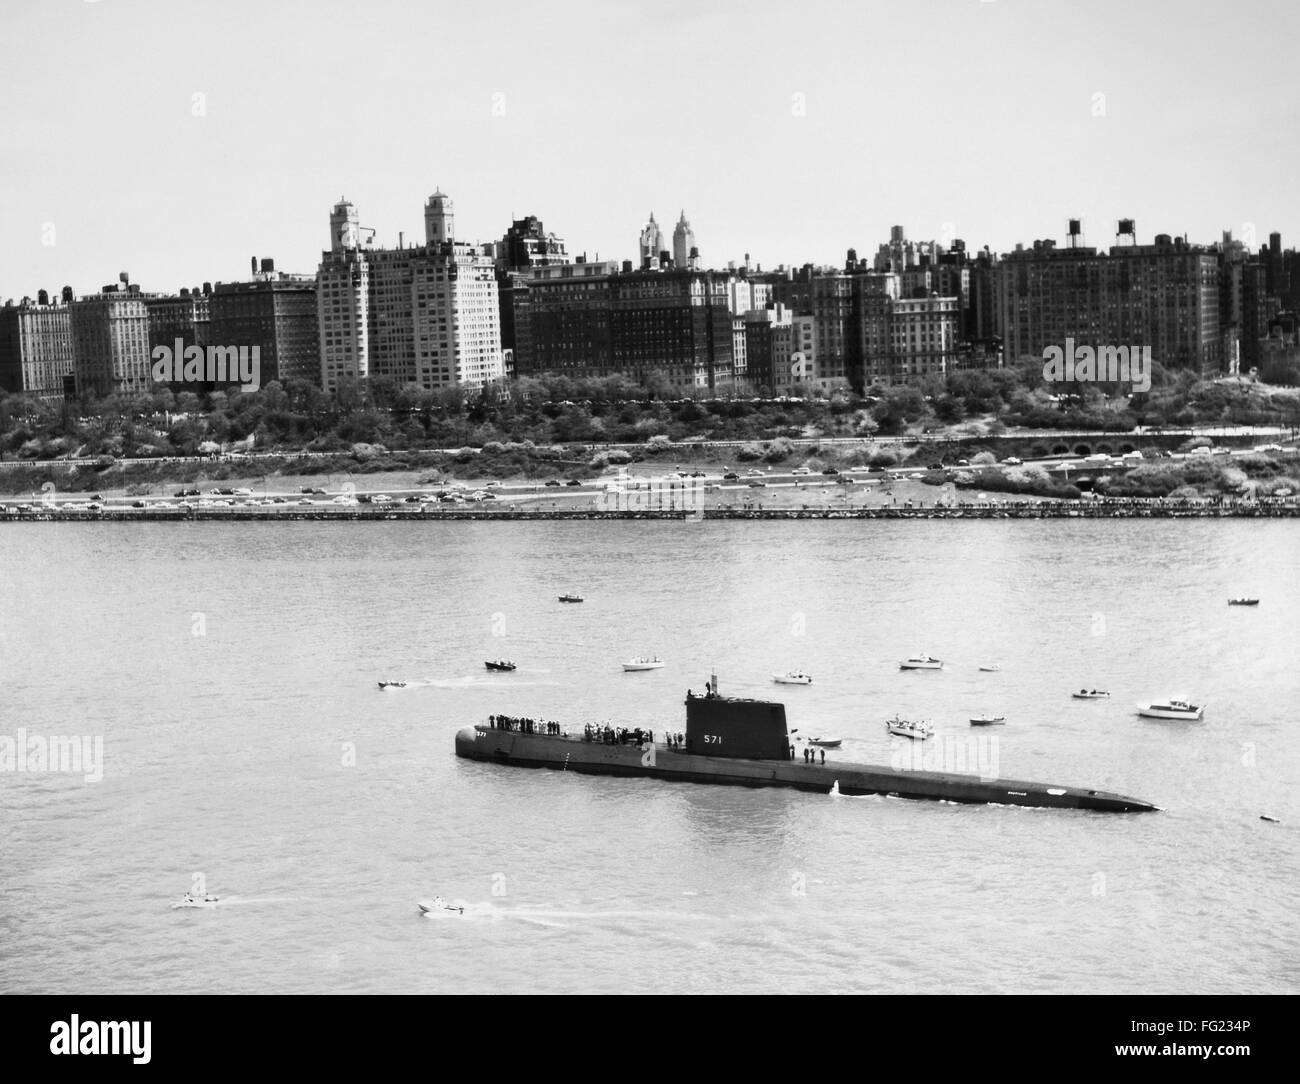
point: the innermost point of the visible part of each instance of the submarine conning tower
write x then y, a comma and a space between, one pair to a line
730, 726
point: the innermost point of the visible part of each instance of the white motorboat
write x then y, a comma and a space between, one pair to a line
439, 907
906, 728
921, 662
988, 720
1091, 694
990, 669
1172, 709
643, 664
191, 900
826, 743
794, 677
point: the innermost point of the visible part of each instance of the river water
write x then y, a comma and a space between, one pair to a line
230, 671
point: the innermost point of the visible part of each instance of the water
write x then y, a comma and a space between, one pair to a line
231, 671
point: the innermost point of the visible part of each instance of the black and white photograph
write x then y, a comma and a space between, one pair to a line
649, 499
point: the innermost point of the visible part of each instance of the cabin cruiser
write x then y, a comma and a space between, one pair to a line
921, 662
988, 720
501, 665
794, 677
1091, 694
643, 664
1172, 709
905, 728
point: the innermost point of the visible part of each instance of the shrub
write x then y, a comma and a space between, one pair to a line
750, 452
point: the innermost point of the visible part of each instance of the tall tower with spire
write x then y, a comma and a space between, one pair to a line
652, 243
439, 219
683, 242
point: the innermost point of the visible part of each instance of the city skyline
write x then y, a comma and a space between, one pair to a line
791, 139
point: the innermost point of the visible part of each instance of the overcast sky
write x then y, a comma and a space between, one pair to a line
176, 139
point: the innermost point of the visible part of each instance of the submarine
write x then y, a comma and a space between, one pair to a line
745, 742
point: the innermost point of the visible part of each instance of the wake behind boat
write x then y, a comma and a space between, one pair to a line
921, 662
794, 677
643, 664
1172, 708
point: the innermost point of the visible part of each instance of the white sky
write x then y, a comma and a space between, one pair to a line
951, 117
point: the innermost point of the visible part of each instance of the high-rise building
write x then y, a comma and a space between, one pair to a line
111, 341
684, 251
36, 346
422, 314
591, 319
651, 245
186, 317
276, 312
1164, 295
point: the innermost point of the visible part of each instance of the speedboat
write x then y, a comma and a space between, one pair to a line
392, 685
988, 720
1172, 709
439, 906
826, 743
1243, 602
570, 598
191, 900
905, 728
643, 664
921, 662
502, 665
1091, 694
990, 669
794, 677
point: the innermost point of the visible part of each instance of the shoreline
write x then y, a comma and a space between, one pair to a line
1038, 510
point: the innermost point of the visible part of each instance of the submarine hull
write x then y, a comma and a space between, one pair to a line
657, 761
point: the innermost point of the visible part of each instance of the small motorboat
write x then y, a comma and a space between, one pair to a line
570, 598
438, 906
921, 662
1243, 602
826, 743
988, 720
1173, 708
1091, 694
990, 669
643, 664
392, 685
794, 677
501, 665
906, 728
191, 900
